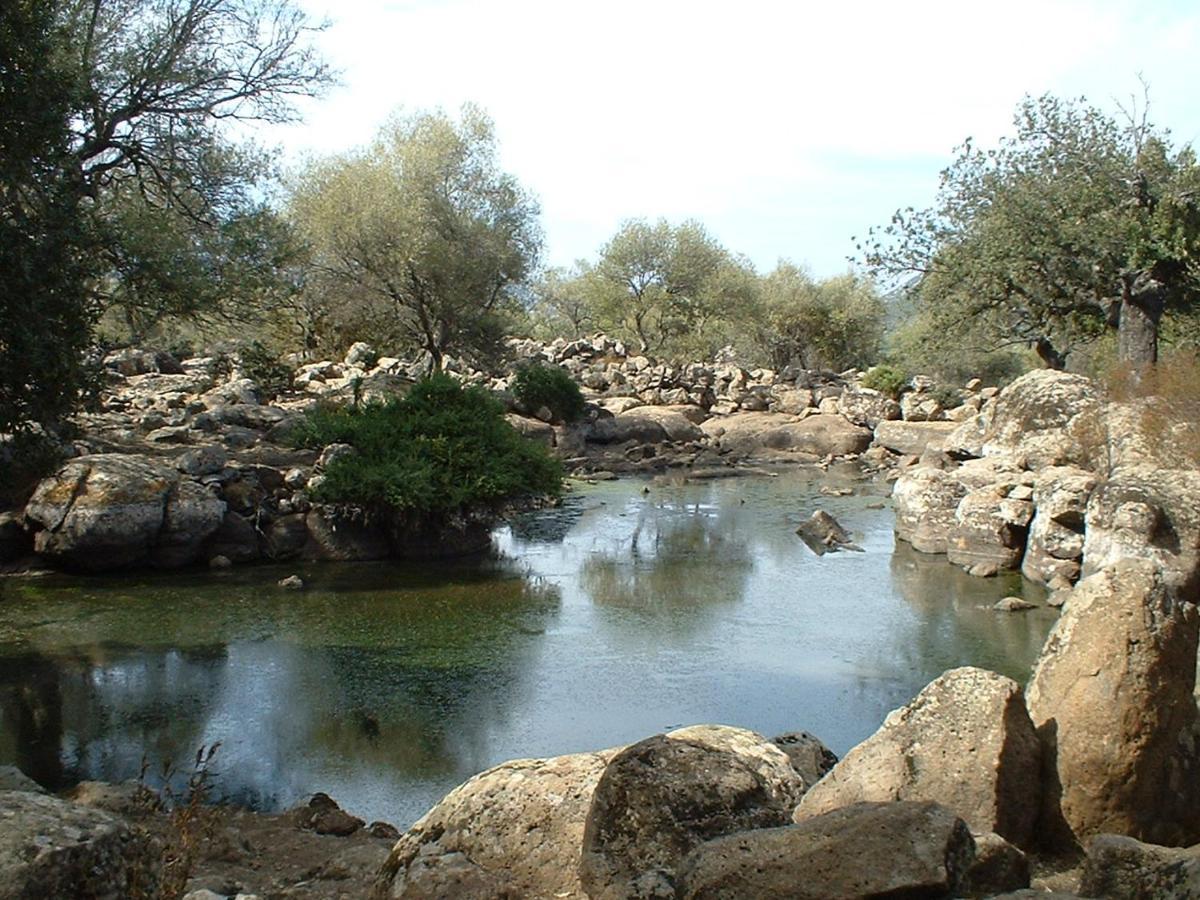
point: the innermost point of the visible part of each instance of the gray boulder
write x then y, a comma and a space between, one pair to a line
661, 797
1121, 868
333, 535
912, 437
757, 434
965, 741
863, 406
1056, 535
808, 755
911, 850
990, 528
925, 500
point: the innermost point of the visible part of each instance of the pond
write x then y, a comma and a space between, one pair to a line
634, 608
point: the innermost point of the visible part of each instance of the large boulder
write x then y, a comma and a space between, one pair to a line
337, 535
1149, 513
1046, 416
965, 741
1055, 544
646, 425
516, 828
660, 798
912, 437
1121, 868
867, 850
53, 848
755, 434
863, 406
808, 754
1111, 697
990, 528
925, 500
113, 510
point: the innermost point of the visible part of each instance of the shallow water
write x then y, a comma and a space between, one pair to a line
619, 615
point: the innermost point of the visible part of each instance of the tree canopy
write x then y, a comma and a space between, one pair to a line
420, 238
1076, 224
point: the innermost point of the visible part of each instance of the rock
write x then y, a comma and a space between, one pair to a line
53, 848
618, 405
124, 798
1121, 868
661, 797
236, 539
13, 779
965, 741
998, 867
808, 755
516, 827
1149, 513
202, 461
752, 434
865, 850
989, 529
113, 510
912, 437
863, 406
1111, 697
822, 533
292, 583
1013, 604
286, 537
220, 562
791, 401
132, 361
532, 429
646, 425
332, 453
335, 536
917, 406
1055, 543
925, 500
322, 814
360, 355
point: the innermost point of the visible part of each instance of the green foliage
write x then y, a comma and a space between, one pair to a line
440, 449
264, 367
26, 457
537, 385
888, 380
420, 240
1074, 225
921, 345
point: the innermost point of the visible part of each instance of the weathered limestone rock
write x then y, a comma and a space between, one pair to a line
863, 406
1055, 544
998, 867
236, 539
661, 797
822, 533
646, 425
286, 537
918, 406
517, 827
334, 536
989, 529
1149, 513
751, 434
13, 779
54, 848
202, 460
1111, 697
965, 741
532, 429
912, 437
865, 850
925, 500
112, 510
809, 756
1121, 868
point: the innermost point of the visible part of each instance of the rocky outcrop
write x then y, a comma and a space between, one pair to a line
907, 437
1121, 868
925, 500
965, 741
114, 510
755, 434
998, 866
1055, 545
53, 848
808, 755
646, 425
661, 797
863, 406
514, 830
1111, 697
865, 850
990, 527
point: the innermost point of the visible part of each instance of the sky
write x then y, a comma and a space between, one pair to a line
787, 128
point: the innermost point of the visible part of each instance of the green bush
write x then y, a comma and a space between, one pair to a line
886, 379
948, 397
538, 385
441, 448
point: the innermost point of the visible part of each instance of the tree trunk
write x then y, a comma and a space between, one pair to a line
1143, 298
1049, 356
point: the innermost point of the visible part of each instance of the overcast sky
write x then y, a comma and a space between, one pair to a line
786, 128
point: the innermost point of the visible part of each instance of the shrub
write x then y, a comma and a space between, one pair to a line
888, 380
948, 397
441, 448
537, 385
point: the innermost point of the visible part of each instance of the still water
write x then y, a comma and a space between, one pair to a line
621, 614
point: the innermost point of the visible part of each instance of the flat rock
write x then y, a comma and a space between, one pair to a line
821, 435
912, 437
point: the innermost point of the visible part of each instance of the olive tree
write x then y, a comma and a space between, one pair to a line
420, 237
1076, 224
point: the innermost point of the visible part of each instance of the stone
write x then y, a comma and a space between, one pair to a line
532, 429
107, 511
822, 533
332, 453
998, 867
917, 406
202, 461
791, 401
516, 827
13, 779
292, 583
236, 539
286, 537
1122, 868
912, 437
1013, 604
663, 796
907, 849
863, 406
1151, 513
965, 741
808, 755
647, 425
333, 535
360, 355
1111, 697
925, 500
54, 848
1056, 534
821, 435
220, 562
989, 529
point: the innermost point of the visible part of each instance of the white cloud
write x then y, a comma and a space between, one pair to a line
785, 127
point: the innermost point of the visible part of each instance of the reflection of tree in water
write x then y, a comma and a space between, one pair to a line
549, 526
31, 717
679, 558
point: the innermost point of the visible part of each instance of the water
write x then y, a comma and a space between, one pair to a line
617, 616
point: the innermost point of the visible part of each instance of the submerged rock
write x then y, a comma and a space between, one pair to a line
822, 534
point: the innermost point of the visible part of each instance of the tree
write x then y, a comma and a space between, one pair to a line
1075, 225
563, 303
665, 285
421, 237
